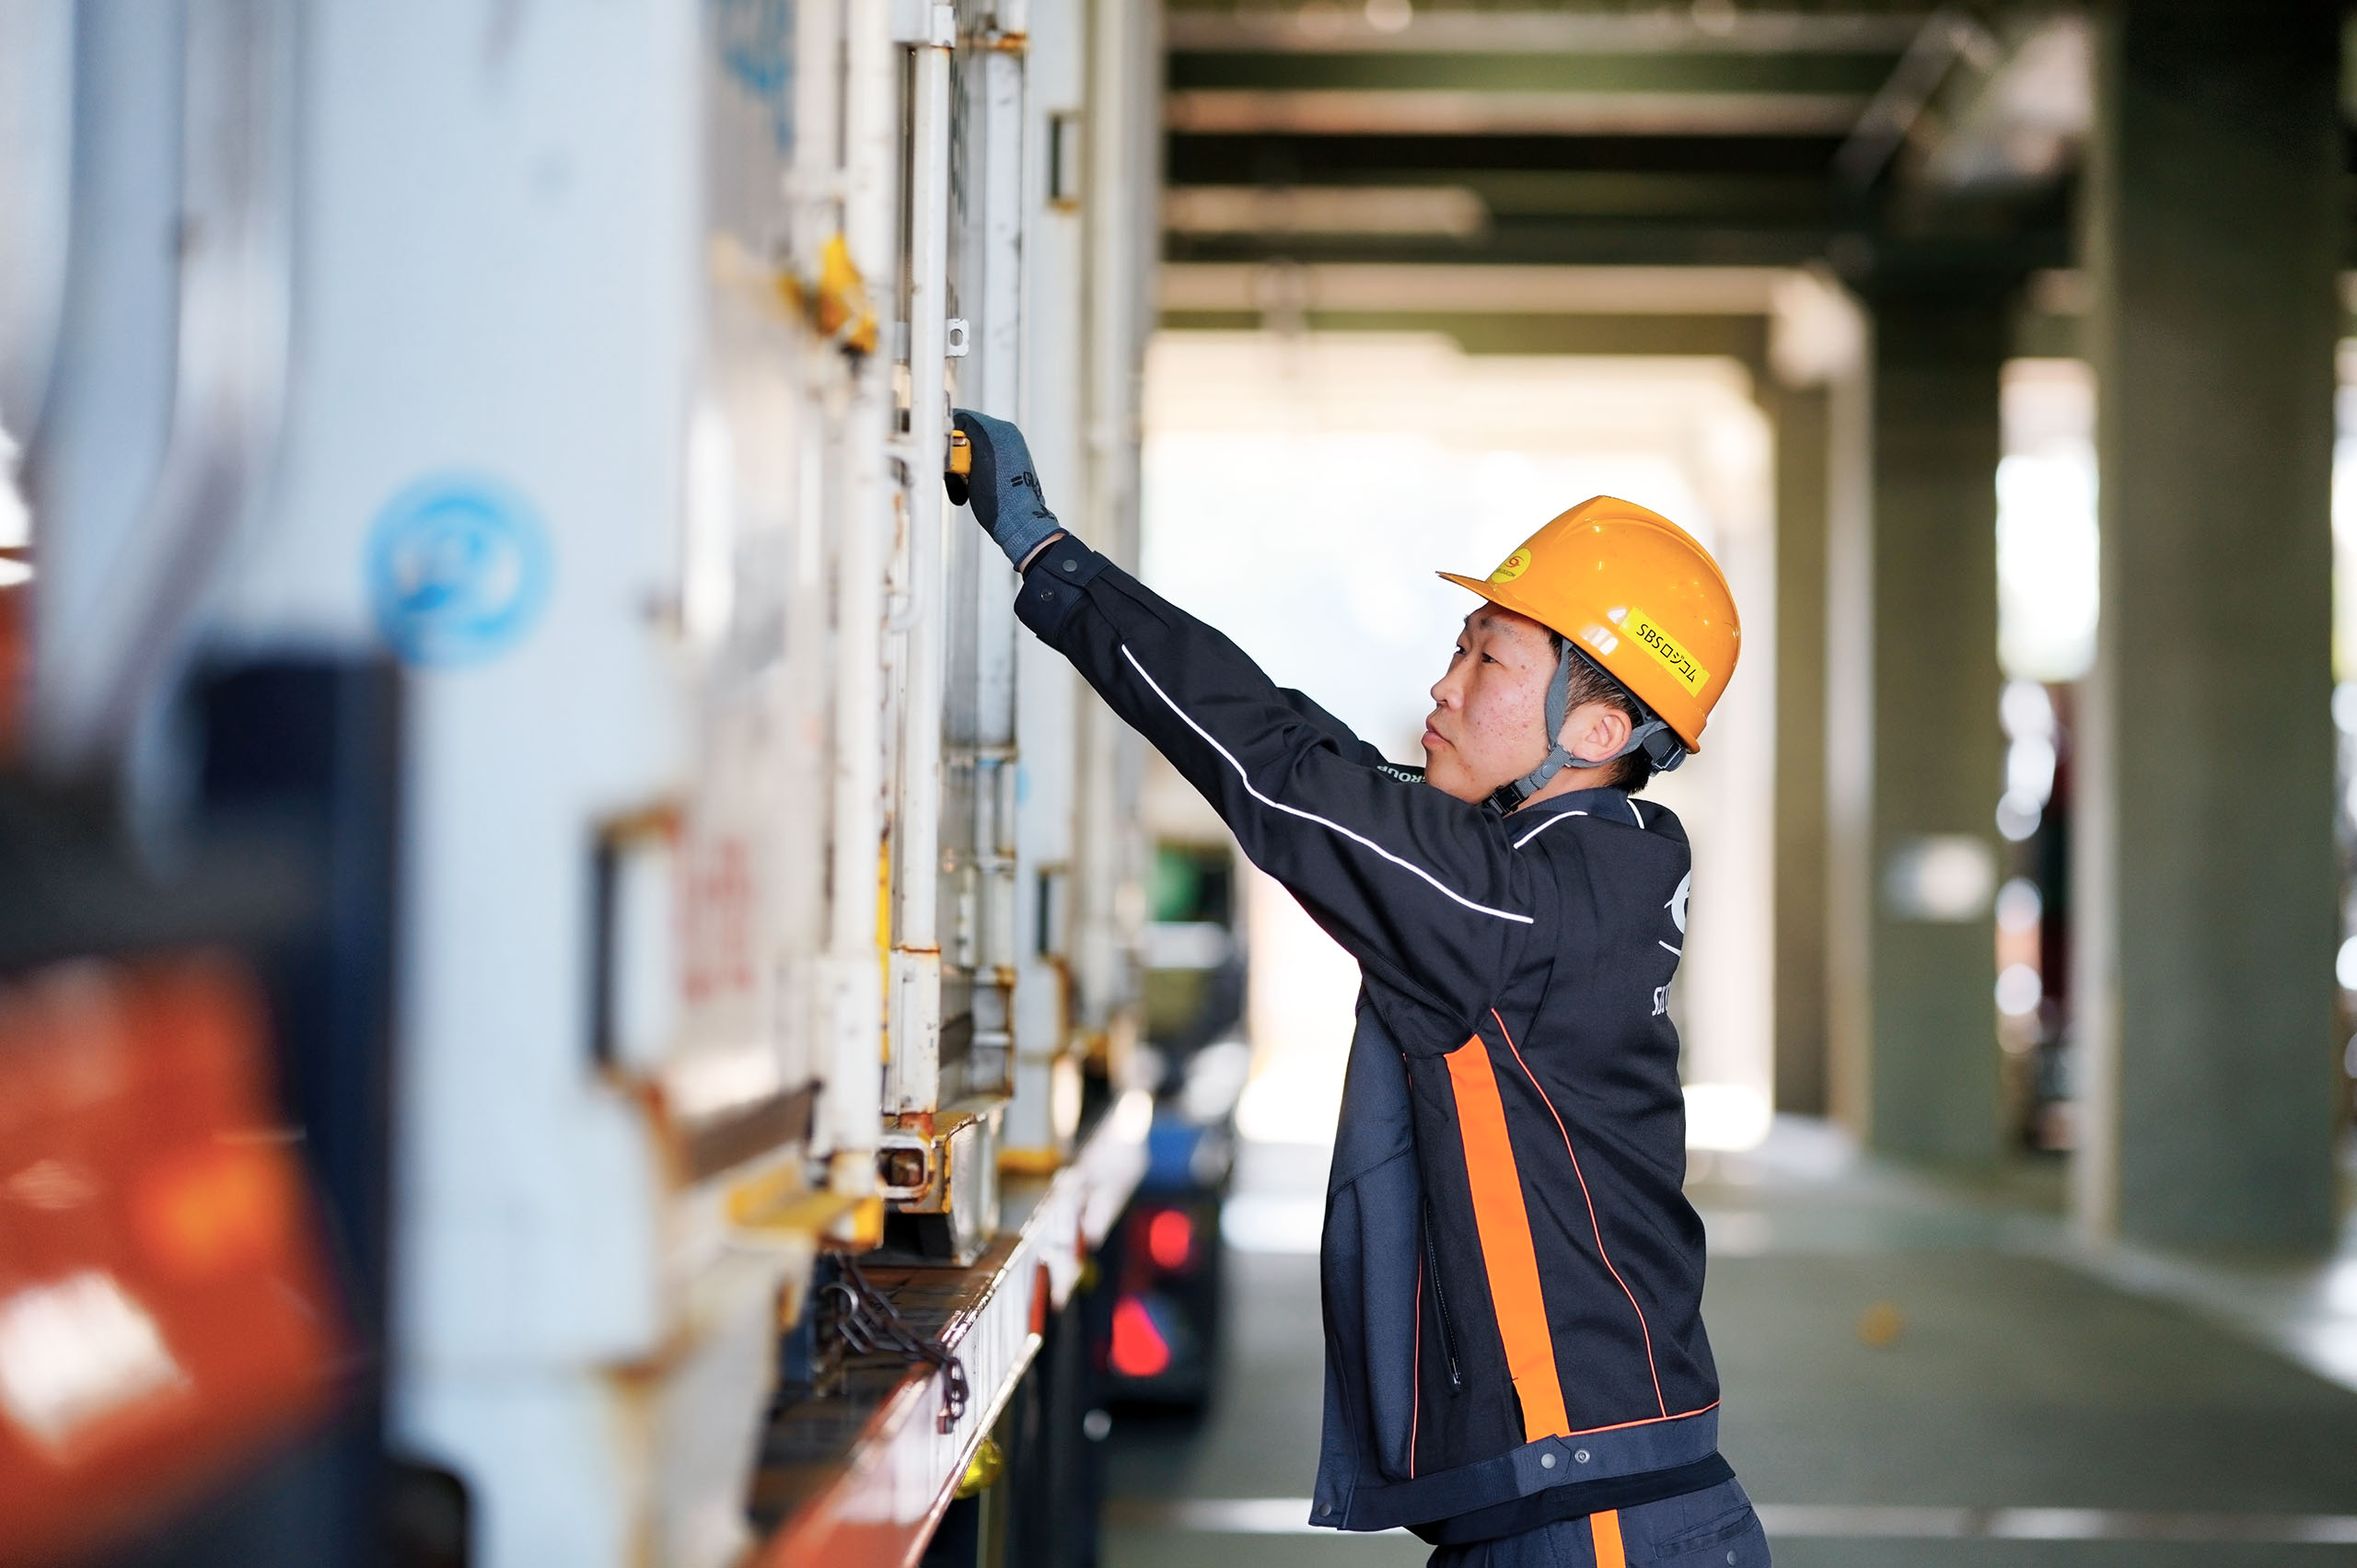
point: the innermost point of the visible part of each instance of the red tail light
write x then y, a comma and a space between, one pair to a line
1171, 1240
1139, 1349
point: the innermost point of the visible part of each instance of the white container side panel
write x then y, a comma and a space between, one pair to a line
116, 391
495, 316
561, 435
1048, 691
36, 192
1117, 190
858, 187
754, 606
958, 932
994, 71
495, 309
542, 370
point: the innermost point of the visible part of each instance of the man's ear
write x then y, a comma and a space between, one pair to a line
1596, 731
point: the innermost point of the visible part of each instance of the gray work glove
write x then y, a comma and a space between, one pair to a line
1001, 489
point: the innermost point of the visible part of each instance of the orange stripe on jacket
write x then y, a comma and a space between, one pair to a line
1507, 1252
1606, 1528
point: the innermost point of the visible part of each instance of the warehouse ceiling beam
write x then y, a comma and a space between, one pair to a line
1569, 242
1465, 206
1526, 71
1444, 212
1328, 28
1487, 290
1905, 136
1956, 253
1486, 112
1296, 158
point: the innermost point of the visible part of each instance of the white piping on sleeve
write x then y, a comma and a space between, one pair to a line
1637, 814
1439, 886
1544, 826
1659, 942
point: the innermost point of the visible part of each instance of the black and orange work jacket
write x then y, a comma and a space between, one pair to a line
1513, 1277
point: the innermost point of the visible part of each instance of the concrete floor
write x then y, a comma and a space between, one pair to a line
1914, 1373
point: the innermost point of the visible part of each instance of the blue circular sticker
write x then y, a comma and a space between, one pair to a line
459, 568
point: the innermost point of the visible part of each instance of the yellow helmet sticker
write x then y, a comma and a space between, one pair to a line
1513, 566
1667, 650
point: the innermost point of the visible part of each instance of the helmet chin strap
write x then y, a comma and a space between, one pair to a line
1663, 749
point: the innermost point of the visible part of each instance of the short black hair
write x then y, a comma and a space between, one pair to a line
1592, 683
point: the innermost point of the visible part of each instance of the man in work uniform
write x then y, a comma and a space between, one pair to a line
1517, 1369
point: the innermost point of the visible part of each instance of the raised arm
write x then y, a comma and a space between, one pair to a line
1420, 887
1423, 889
1345, 738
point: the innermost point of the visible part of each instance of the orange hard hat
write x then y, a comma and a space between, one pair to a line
1635, 593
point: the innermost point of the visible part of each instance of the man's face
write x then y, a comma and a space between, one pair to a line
1489, 719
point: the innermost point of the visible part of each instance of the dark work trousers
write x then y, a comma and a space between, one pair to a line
1711, 1528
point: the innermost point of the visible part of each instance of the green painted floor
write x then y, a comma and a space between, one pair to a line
1883, 1342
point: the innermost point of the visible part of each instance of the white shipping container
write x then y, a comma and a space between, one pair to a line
758, 880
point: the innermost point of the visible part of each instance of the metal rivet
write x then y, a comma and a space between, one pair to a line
1730, 1556
1324, 1508
1072, 565
1546, 1462
1580, 1456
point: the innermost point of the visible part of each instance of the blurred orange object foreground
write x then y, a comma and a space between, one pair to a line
164, 1315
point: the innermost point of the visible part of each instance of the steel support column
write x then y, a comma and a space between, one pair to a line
1936, 748
1803, 461
2206, 870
